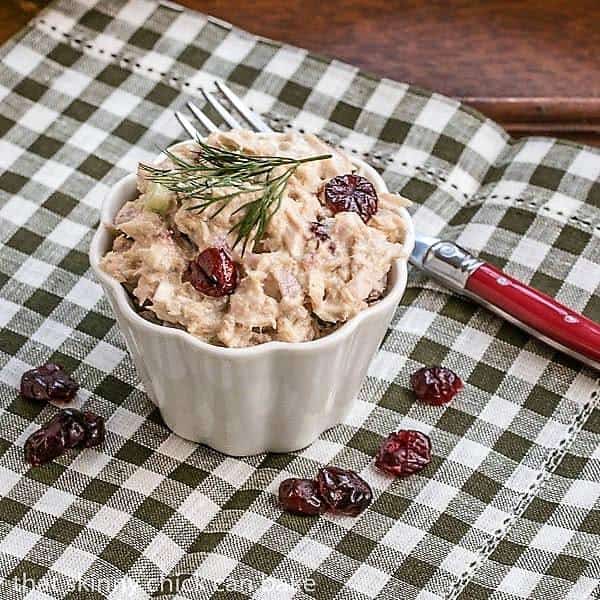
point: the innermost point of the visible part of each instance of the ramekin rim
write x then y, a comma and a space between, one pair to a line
393, 295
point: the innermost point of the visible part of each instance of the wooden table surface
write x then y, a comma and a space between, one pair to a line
532, 65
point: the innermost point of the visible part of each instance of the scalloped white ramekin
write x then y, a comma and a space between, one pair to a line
274, 397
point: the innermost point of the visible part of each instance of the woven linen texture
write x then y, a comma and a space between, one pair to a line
509, 507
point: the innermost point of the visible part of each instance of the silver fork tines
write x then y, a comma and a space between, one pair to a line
187, 125
206, 122
224, 114
249, 115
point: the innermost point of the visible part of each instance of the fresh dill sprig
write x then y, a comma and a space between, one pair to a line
222, 168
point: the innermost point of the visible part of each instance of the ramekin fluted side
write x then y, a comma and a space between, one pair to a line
278, 401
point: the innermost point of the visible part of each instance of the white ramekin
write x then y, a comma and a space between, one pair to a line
275, 397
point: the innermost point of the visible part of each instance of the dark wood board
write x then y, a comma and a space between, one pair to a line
532, 65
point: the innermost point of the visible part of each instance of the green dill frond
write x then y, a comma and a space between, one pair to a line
245, 173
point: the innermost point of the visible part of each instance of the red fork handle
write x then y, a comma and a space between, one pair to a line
537, 313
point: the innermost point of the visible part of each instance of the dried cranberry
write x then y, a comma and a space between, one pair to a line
213, 273
95, 430
73, 427
351, 193
44, 445
81, 428
300, 496
69, 428
319, 230
435, 385
48, 382
404, 453
344, 491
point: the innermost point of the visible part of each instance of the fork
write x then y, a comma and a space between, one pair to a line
528, 308
249, 115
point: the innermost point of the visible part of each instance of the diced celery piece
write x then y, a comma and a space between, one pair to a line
157, 198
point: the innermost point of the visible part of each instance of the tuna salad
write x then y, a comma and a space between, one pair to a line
289, 254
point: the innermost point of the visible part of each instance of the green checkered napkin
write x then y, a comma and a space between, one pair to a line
509, 507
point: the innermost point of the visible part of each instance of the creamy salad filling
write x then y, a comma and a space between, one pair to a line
313, 269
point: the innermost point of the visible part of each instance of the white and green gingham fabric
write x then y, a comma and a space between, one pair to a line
509, 507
